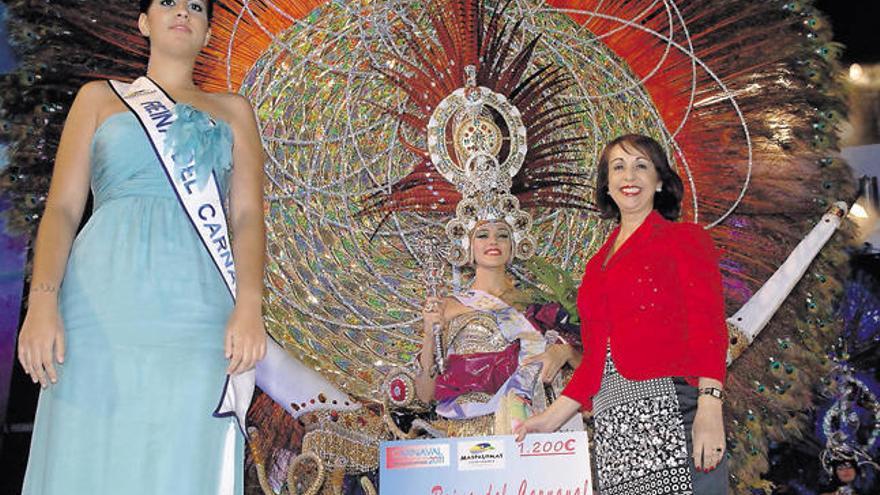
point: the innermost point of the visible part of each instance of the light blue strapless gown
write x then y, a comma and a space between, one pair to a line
144, 311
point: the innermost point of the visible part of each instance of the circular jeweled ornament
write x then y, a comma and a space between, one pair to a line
475, 136
398, 387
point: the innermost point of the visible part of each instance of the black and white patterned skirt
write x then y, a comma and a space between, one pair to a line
642, 438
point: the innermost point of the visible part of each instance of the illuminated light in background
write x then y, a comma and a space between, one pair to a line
856, 73
858, 211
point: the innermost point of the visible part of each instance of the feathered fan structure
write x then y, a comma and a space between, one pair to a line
763, 169
465, 37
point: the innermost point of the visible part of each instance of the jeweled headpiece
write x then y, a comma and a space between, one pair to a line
837, 452
476, 165
494, 134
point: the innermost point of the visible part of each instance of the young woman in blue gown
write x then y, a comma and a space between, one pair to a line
130, 329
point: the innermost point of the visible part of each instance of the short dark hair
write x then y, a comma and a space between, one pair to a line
667, 202
145, 5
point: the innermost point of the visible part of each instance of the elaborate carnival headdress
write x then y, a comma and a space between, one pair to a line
838, 451
475, 164
494, 135
850, 423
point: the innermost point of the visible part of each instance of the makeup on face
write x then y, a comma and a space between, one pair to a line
182, 16
183, 21
846, 472
632, 180
195, 7
492, 242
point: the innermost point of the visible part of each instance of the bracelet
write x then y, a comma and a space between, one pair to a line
712, 392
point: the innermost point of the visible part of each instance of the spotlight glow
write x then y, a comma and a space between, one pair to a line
858, 211
856, 73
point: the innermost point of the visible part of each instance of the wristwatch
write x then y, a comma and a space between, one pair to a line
712, 391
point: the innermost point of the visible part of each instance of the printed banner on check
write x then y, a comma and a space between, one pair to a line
553, 463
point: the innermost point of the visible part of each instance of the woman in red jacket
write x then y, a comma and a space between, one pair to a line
655, 339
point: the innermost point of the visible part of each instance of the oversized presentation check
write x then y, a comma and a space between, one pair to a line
544, 464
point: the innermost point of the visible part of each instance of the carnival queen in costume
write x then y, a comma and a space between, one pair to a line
496, 145
479, 351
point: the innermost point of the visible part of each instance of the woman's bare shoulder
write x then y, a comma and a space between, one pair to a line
98, 89
454, 308
233, 107
98, 101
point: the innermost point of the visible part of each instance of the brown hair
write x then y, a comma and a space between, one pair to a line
667, 201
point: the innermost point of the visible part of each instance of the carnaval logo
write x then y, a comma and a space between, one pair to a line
416, 456
480, 455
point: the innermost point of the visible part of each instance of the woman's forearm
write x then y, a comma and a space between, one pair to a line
575, 359
249, 246
424, 382
51, 251
709, 403
558, 413
710, 382
425, 385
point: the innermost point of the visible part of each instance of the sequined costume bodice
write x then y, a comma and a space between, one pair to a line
472, 332
483, 349
467, 334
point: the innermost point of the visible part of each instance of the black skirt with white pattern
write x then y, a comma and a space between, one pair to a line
642, 438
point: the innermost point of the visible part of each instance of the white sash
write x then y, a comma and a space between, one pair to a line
204, 207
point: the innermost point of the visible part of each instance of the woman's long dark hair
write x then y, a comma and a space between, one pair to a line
145, 4
667, 201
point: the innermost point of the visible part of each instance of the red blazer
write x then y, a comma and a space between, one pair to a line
659, 302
